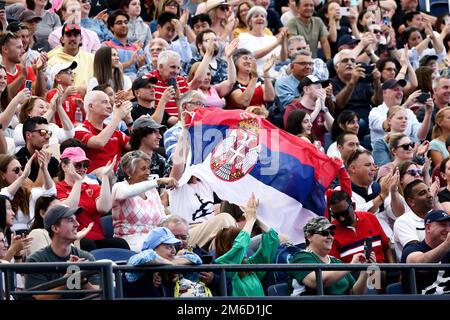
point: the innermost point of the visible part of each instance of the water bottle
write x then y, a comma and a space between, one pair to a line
78, 115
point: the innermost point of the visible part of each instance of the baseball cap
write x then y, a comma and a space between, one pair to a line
15, 26
308, 80
391, 83
347, 40
424, 60
28, 15
158, 236
436, 215
68, 27
146, 121
57, 212
317, 225
211, 4
75, 154
57, 68
142, 81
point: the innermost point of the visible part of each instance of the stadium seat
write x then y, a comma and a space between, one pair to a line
437, 7
114, 254
279, 289
107, 226
394, 288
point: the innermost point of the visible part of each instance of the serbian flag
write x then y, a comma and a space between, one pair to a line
237, 153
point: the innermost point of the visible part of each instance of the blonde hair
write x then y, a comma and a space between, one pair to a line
437, 130
193, 70
390, 114
393, 139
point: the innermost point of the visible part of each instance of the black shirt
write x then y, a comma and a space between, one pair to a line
139, 111
23, 156
444, 195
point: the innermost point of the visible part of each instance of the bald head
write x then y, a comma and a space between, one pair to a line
97, 104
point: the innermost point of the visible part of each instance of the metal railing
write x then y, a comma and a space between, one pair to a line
111, 278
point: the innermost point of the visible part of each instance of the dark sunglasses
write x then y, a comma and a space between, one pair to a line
80, 165
415, 172
407, 146
377, 31
344, 213
43, 132
86, 1
325, 233
17, 170
223, 8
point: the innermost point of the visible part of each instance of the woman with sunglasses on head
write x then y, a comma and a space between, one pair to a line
14, 184
441, 132
94, 199
319, 234
223, 20
38, 107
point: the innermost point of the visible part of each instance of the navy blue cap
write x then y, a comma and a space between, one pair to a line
436, 215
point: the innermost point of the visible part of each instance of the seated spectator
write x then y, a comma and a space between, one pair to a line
390, 68
107, 70
249, 90
434, 248
347, 144
61, 76
94, 199
60, 222
18, 190
91, 23
241, 15
138, 30
103, 142
200, 22
152, 51
136, 205
71, 13
319, 240
158, 248
200, 76
37, 134
346, 122
441, 132
37, 107
299, 124
231, 246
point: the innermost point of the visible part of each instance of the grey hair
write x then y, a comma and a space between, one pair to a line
337, 57
294, 39
301, 53
189, 95
252, 11
129, 160
90, 98
165, 55
175, 220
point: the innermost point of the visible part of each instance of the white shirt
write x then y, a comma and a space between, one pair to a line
408, 227
93, 82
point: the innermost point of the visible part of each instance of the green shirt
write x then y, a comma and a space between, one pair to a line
250, 283
342, 286
312, 31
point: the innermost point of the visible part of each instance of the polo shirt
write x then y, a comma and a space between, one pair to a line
23, 156
88, 197
349, 241
408, 227
311, 31
160, 86
286, 90
99, 157
10, 77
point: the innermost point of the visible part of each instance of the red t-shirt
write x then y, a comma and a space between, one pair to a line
257, 98
30, 76
88, 197
69, 106
99, 157
350, 241
171, 106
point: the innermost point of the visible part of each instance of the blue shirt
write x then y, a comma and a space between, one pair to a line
286, 89
99, 27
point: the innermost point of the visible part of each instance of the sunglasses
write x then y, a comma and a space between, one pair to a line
43, 132
344, 213
326, 233
223, 8
86, 1
377, 31
80, 165
17, 170
415, 172
407, 146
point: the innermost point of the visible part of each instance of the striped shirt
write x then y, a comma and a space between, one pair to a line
171, 106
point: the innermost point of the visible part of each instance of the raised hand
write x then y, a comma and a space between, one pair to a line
269, 63
72, 174
251, 208
102, 15
122, 110
27, 168
231, 48
423, 148
108, 170
83, 232
23, 95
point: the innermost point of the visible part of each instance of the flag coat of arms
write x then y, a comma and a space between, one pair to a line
238, 153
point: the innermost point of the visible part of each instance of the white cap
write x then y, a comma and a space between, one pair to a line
57, 68
211, 4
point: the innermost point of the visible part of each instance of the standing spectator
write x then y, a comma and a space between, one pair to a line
222, 21
138, 30
311, 28
273, 17
103, 142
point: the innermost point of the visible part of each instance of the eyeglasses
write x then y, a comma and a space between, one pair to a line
415, 172
346, 60
182, 237
246, 57
223, 8
120, 22
344, 213
304, 63
156, 49
197, 103
17, 170
80, 165
43, 132
325, 233
407, 146
377, 31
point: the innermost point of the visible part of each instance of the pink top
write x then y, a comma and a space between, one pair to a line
90, 43
213, 99
136, 215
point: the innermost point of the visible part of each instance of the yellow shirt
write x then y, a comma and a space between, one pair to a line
238, 31
85, 60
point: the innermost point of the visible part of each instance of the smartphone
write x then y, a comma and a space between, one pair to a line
367, 248
344, 11
367, 71
207, 259
173, 82
386, 20
28, 84
424, 96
